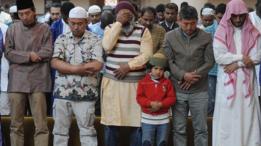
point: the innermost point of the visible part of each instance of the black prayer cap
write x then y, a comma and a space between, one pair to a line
24, 4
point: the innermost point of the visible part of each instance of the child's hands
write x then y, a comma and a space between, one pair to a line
155, 106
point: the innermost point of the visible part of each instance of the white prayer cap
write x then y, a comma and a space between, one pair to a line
78, 12
207, 12
94, 9
13, 9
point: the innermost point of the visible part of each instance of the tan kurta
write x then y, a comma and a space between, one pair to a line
157, 35
25, 76
118, 99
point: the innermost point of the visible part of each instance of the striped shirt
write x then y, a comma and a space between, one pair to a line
126, 48
155, 119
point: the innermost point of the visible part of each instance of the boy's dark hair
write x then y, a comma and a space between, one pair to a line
160, 8
172, 6
221, 8
149, 10
188, 13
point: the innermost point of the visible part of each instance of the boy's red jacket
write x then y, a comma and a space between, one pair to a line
148, 91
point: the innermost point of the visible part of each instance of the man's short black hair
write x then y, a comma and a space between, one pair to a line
221, 8
106, 18
149, 10
56, 5
188, 13
209, 5
172, 6
160, 8
66, 7
184, 4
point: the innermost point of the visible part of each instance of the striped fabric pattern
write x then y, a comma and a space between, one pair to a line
155, 119
125, 49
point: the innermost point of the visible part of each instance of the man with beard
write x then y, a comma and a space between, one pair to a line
128, 47
147, 19
236, 120
28, 48
77, 58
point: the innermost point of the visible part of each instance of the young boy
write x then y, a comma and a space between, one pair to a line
155, 95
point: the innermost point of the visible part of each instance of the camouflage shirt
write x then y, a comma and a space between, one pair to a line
72, 51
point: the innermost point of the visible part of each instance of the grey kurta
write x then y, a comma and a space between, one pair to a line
25, 76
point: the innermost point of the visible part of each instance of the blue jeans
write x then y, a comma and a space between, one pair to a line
111, 135
212, 81
150, 133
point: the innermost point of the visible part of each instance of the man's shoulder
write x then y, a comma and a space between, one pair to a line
63, 37
173, 32
91, 34
159, 28
139, 26
44, 25
56, 23
204, 35
3, 27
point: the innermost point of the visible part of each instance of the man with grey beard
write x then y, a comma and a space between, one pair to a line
128, 47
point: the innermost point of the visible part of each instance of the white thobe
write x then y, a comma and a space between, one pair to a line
236, 121
4, 100
257, 23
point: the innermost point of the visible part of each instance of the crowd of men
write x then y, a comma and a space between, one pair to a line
82, 62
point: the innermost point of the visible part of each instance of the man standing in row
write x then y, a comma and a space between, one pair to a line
236, 120
147, 19
128, 47
5, 102
77, 58
170, 16
190, 53
28, 49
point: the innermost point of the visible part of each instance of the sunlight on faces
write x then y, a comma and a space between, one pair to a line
27, 16
157, 71
188, 26
238, 20
78, 26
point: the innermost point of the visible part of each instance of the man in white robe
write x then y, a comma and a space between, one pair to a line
255, 18
236, 119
